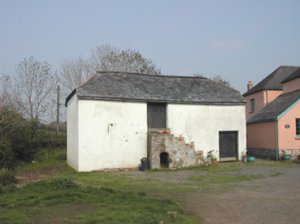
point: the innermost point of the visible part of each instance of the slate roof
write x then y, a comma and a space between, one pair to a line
275, 108
273, 81
120, 86
294, 75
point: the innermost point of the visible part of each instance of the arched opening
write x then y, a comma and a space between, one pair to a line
164, 160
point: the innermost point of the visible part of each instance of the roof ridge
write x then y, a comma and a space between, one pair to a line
296, 66
160, 76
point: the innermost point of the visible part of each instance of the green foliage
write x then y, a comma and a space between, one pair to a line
21, 139
7, 156
7, 177
62, 183
50, 139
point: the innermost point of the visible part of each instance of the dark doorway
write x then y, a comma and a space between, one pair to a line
228, 145
164, 160
156, 115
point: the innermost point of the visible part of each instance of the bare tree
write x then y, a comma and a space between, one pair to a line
6, 97
108, 58
34, 87
75, 72
104, 58
220, 80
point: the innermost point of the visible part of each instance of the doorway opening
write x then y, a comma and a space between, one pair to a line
164, 160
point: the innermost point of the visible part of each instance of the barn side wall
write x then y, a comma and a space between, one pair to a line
72, 131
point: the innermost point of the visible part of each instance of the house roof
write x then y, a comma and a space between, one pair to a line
294, 75
273, 81
276, 107
120, 86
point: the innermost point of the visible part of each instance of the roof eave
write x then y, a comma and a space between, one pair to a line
262, 121
243, 102
256, 91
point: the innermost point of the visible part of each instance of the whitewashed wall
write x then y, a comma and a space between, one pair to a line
72, 132
202, 123
104, 135
111, 134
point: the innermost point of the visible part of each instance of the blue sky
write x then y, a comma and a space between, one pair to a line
238, 40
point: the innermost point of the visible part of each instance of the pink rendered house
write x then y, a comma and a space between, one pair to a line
273, 114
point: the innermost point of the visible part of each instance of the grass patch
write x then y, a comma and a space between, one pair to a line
105, 205
44, 159
224, 179
66, 196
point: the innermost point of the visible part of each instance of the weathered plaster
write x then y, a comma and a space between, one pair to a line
201, 124
111, 134
72, 128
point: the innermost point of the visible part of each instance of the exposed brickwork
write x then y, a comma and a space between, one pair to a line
180, 153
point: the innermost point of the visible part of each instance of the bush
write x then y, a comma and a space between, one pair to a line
7, 157
50, 139
7, 177
21, 139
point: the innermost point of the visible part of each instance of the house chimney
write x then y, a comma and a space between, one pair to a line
249, 85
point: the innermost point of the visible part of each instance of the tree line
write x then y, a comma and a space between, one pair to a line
29, 99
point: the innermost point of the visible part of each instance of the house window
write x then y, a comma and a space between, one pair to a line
252, 105
298, 126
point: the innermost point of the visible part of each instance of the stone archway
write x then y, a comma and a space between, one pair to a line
164, 160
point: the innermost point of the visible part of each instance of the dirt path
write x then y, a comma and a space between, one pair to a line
271, 200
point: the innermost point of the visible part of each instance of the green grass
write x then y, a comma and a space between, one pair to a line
66, 196
100, 205
45, 159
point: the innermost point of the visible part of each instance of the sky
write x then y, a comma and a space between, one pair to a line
237, 39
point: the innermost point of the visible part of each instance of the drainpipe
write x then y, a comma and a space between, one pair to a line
276, 140
267, 97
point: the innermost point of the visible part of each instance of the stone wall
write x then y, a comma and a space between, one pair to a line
179, 153
262, 153
271, 153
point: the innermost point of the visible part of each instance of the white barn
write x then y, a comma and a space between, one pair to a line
110, 115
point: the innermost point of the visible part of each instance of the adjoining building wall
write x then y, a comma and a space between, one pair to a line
261, 135
262, 98
261, 140
288, 140
72, 131
291, 85
111, 134
201, 124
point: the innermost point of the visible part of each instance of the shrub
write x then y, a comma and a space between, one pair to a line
7, 157
7, 177
21, 139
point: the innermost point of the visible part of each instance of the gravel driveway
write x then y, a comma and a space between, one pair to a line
269, 200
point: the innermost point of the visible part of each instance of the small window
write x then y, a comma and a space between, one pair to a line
252, 105
298, 126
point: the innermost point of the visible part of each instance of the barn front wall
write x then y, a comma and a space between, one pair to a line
114, 134
111, 134
202, 124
